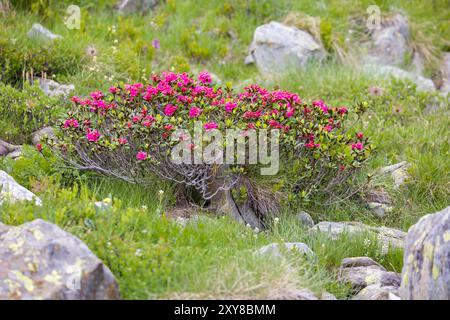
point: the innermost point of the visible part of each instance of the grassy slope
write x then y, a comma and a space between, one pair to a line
156, 258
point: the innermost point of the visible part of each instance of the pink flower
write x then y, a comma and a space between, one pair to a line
147, 123
210, 126
123, 141
321, 105
342, 110
290, 112
204, 77
72, 123
141, 156
328, 127
76, 99
39, 147
93, 136
194, 112
229, 106
358, 146
96, 95
170, 109
113, 90
156, 44
360, 135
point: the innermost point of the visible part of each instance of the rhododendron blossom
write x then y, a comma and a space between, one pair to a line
204, 77
210, 126
170, 109
194, 112
92, 135
141, 156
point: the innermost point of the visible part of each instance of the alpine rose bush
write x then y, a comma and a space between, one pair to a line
126, 133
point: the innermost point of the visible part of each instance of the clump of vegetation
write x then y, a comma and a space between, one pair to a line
24, 111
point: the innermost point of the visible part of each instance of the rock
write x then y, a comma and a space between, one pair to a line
445, 69
274, 249
378, 292
379, 209
379, 195
385, 71
53, 89
41, 135
389, 47
327, 296
136, 6
15, 154
291, 294
38, 31
426, 262
359, 262
398, 172
12, 191
388, 237
305, 219
8, 148
361, 276
278, 49
38, 260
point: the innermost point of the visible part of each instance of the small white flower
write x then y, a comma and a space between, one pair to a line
138, 253
161, 192
276, 220
116, 41
145, 231
256, 230
367, 242
248, 225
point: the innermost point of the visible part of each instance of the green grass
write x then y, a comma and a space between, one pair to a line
155, 257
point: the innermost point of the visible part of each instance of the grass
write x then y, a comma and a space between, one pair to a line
212, 257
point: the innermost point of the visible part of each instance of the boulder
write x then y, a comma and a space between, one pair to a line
305, 219
398, 172
278, 49
445, 69
136, 6
426, 262
386, 71
379, 209
388, 237
12, 191
53, 89
361, 272
38, 260
41, 135
274, 249
378, 292
7, 148
38, 31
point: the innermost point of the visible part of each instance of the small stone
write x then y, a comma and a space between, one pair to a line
379, 209
305, 219
40, 135
53, 89
398, 172
378, 292
274, 249
327, 296
360, 262
12, 191
38, 31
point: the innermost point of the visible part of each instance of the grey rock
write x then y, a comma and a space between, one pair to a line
16, 154
136, 6
362, 276
359, 262
305, 219
445, 69
386, 71
327, 296
38, 260
426, 262
378, 292
379, 209
12, 191
387, 236
379, 196
8, 148
278, 49
398, 172
40, 135
274, 249
389, 47
38, 31
53, 89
